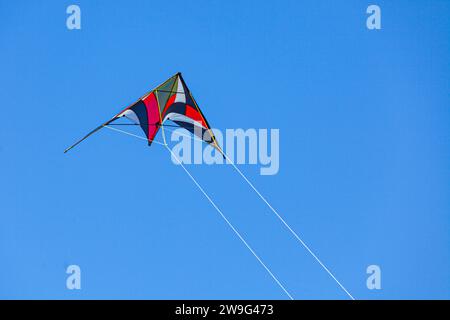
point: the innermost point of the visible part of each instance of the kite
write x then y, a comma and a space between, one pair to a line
172, 101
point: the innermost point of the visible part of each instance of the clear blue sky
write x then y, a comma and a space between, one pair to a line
364, 157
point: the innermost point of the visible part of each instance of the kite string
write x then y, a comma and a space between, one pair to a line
229, 223
133, 135
279, 217
262, 198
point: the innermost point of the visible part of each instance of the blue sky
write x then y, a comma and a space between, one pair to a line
364, 149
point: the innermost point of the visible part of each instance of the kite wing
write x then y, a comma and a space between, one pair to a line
171, 100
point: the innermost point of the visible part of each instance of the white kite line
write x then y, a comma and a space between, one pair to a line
215, 207
133, 135
283, 221
262, 198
